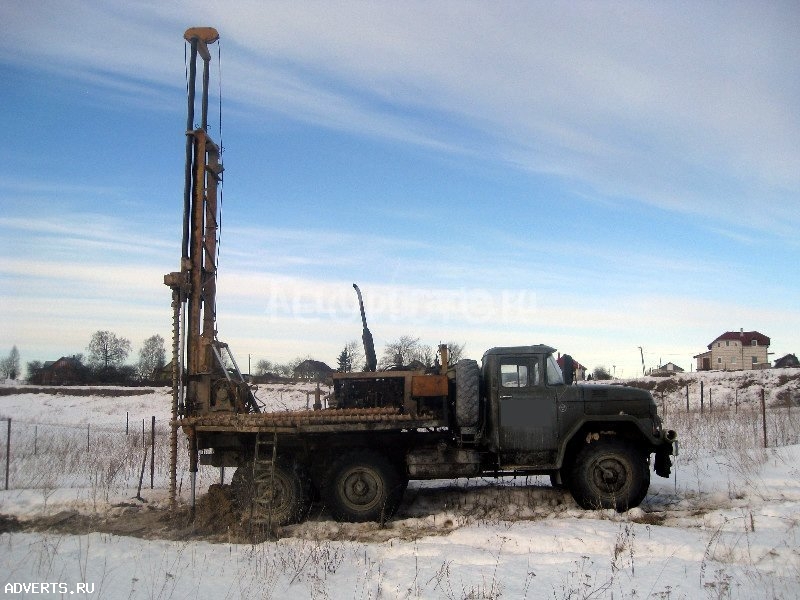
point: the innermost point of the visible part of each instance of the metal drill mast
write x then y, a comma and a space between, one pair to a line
203, 380
195, 283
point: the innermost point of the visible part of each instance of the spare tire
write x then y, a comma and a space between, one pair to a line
467, 393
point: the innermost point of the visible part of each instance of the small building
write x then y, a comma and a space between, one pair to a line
64, 371
667, 369
312, 370
788, 361
163, 375
735, 351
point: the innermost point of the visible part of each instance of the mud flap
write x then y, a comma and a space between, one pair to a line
663, 463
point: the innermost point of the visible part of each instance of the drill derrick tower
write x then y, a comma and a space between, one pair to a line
205, 377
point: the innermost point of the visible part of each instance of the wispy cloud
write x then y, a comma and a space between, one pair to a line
77, 233
652, 104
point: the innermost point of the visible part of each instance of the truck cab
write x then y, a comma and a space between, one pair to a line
525, 391
594, 439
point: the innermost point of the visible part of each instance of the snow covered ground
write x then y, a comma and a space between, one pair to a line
724, 526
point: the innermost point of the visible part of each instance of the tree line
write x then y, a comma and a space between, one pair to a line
406, 351
104, 362
107, 353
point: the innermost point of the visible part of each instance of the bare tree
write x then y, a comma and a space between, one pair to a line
398, 352
34, 367
455, 352
355, 351
264, 366
107, 350
9, 366
424, 354
287, 369
152, 356
405, 350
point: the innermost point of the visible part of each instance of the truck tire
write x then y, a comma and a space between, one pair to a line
467, 393
280, 498
362, 486
609, 474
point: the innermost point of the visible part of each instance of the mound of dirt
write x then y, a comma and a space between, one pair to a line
215, 519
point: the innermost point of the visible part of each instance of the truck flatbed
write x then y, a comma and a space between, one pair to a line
328, 420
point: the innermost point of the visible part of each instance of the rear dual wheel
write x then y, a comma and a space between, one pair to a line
280, 497
363, 486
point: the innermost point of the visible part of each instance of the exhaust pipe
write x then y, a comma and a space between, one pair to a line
366, 336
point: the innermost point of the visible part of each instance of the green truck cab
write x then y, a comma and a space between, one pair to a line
596, 440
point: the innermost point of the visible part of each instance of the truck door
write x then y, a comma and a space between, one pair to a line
528, 415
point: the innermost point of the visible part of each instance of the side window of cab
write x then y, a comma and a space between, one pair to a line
519, 373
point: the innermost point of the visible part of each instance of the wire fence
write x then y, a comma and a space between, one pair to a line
41, 453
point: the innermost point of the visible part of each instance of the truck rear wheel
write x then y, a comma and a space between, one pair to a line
467, 393
279, 498
609, 474
363, 486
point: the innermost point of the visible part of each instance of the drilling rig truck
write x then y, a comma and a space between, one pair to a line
515, 413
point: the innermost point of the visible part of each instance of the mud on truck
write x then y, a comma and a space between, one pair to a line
515, 413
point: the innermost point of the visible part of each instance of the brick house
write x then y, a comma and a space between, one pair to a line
735, 351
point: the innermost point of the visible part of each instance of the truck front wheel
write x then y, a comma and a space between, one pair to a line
609, 474
362, 486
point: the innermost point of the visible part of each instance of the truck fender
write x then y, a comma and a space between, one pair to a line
587, 431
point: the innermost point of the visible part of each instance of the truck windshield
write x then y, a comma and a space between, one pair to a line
554, 376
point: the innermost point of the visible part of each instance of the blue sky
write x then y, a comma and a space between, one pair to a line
594, 176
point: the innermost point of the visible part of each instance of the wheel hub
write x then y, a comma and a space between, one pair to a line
610, 475
360, 488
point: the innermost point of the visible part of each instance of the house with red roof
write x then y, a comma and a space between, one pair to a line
579, 369
735, 351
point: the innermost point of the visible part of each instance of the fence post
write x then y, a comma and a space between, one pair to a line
88, 425
687, 398
764, 416
710, 405
152, 449
702, 399
35, 437
126, 422
8, 449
